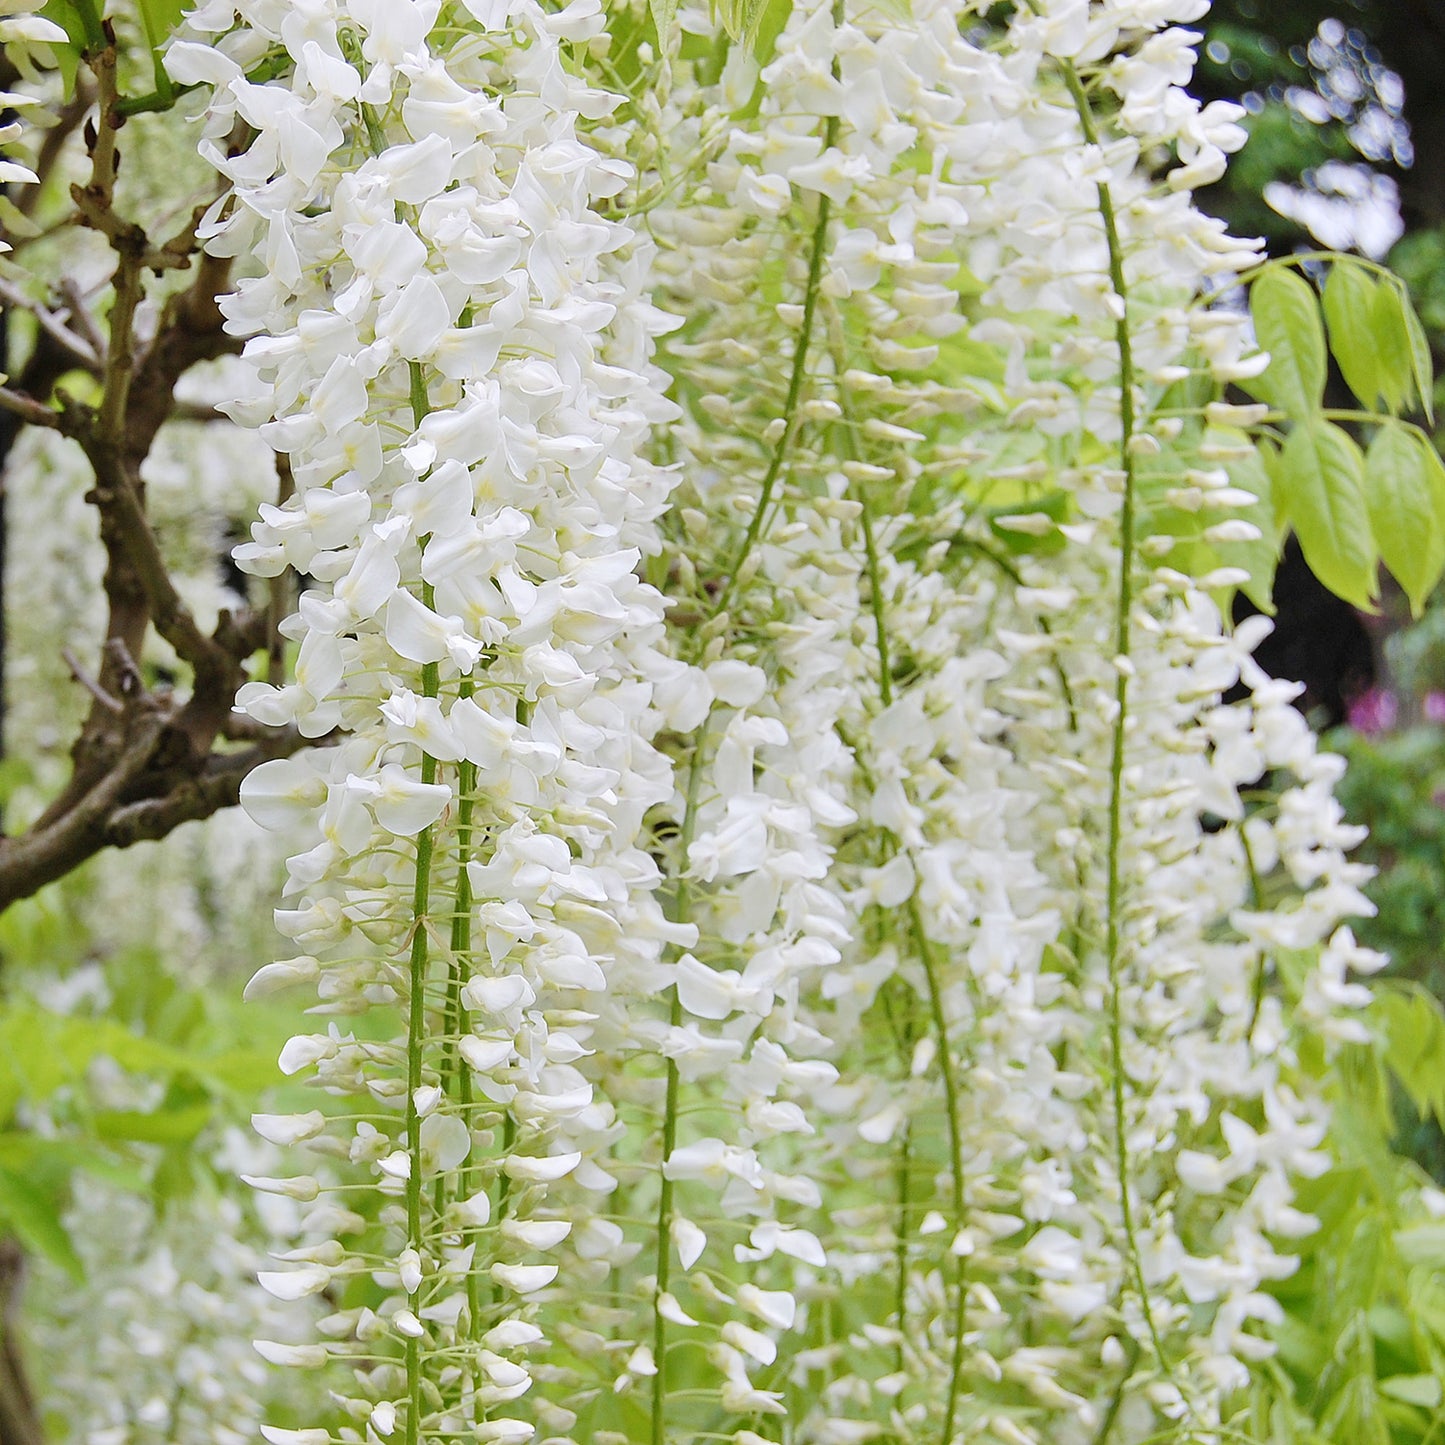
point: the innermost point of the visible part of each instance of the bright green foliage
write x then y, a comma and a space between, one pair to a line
1362, 1347
755, 24
1399, 340
1322, 496
1414, 1029
1406, 501
1393, 785
1377, 339
81, 21
1349, 303
160, 17
1352, 512
1287, 325
30, 1211
664, 17
203, 1058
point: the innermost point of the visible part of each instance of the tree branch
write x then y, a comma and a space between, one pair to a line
78, 348
194, 798
152, 785
27, 408
116, 496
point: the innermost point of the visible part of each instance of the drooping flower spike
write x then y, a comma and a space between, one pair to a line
837, 1005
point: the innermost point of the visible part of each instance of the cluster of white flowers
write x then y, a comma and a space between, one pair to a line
22, 34
452, 345
882, 940
1068, 1112
183, 1279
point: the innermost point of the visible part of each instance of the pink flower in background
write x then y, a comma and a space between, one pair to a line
1434, 707
1373, 712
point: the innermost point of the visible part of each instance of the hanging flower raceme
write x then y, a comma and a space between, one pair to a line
452, 358
22, 34
846, 1007
993, 384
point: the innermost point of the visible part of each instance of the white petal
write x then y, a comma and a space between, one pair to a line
537, 1233
302, 1186
689, 1240
414, 318
404, 805
777, 1307
524, 1278
750, 1342
273, 977
287, 1129
445, 1143
280, 793
294, 1284
371, 582
415, 631
485, 1055
301, 1357
503, 1432
512, 1335
540, 1170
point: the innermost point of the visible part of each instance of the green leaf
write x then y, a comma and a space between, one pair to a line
750, 21
1421, 359
1406, 500
160, 18
1288, 326
1349, 306
164, 1126
1422, 1244
1042, 539
35, 1218
1423, 1390
37, 1157
65, 14
41, 1052
664, 17
1411, 1023
1322, 495
770, 25
1394, 349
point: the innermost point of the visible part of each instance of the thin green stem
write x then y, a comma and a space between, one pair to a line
1124, 607
419, 966
415, 1042
1299, 259
1116, 1400
875, 600
902, 1172
932, 973
1372, 418
903, 1182
817, 251
458, 1074
1256, 897
681, 908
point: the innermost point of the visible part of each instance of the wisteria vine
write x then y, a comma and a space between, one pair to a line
791, 934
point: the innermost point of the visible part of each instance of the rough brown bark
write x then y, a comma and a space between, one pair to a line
144, 761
